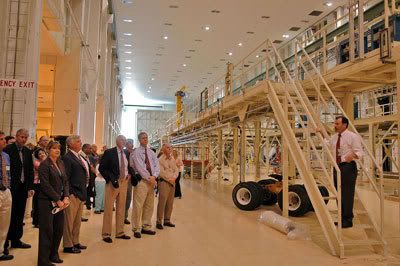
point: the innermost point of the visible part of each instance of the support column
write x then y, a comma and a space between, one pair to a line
285, 168
257, 144
19, 59
242, 177
89, 71
220, 157
235, 155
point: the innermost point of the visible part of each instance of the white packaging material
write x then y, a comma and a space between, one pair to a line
277, 221
294, 231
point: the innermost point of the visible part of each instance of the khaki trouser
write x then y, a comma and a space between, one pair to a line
111, 195
72, 222
5, 216
143, 206
165, 201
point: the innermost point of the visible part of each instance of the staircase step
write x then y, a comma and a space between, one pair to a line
365, 242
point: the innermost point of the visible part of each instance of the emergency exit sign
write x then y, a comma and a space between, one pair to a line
16, 84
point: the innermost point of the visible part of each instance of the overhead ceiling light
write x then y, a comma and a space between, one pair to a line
128, 73
285, 36
128, 67
328, 4
165, 37
230, 53
128, 61
127, 20
152, 78
206, 28
184, 65
257, 56
128, 52
127, 34
128, 77
240, 44
128, 45
149, 87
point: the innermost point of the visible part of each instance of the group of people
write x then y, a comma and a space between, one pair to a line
62, 185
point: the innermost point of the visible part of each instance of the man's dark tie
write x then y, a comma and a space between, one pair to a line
147, 162
338, 158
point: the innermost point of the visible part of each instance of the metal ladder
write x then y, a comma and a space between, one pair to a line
289, 92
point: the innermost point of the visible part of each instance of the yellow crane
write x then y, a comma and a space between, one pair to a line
179, 105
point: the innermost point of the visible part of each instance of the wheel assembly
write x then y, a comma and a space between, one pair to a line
299, 202
270, 198
247, 196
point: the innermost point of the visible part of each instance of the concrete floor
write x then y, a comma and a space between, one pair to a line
210, 231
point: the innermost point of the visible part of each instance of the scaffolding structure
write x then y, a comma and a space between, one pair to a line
350, 66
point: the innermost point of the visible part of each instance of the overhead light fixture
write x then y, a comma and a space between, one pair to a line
128, 77
127, 20
128, 67
149, 87
128, 45
285, 36
128, 52
148, 90
240, 44
328, 4
230, 53
206, 28
128, 73
184, 65
165, 37
127, 34
128, 61
257, 56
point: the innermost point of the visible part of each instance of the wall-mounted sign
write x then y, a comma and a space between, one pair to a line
16, 84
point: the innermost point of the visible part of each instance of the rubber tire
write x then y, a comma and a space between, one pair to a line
324, 193
270, 198
276, 176
255, 191
302, 194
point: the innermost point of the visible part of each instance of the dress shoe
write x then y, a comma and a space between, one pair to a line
127, 221
159, 226
79, 246
169, 224
20, 244
345, 224
56, 260
107, 239
6, 257
72, 250
97, 212
102, 210
137, 235
123, 237
84, 219
148, 232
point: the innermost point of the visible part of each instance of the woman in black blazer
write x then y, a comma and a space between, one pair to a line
54, 189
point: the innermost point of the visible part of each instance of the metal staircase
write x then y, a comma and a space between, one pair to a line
291, 103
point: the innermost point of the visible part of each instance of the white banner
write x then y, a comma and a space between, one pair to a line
16, 84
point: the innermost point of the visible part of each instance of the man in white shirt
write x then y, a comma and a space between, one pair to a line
346, 148
146, 164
